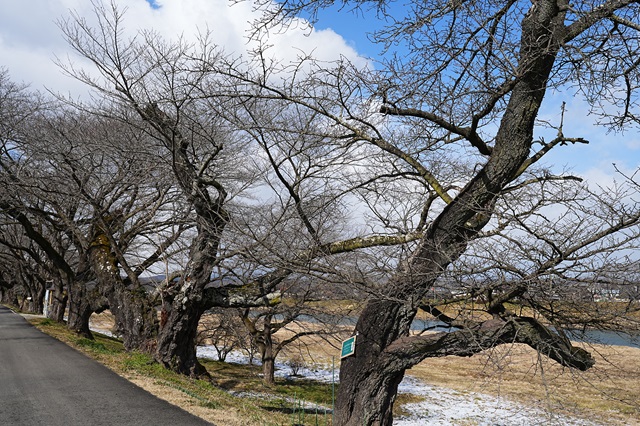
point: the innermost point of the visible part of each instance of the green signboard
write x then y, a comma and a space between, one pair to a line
348, 347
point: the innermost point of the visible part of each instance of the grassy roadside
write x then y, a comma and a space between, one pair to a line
238, 398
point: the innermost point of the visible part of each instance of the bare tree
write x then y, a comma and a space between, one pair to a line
26, 266
278, 327
176, 93
128, 218
223, 330
21, 111
69, 269
470, 85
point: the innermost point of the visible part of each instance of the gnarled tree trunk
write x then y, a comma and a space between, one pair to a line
82, 303
58, 307
179, 318
367, 387
135, 316
183, 302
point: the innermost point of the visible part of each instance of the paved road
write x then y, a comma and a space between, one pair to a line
45, 382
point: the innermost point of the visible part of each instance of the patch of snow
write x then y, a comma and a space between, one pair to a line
444, 407
290, 401
440, 407
234, 357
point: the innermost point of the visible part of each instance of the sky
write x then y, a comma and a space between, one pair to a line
30, 41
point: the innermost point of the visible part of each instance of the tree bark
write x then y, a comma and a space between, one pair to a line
80, 310
269, 368
184, 302
136, 318
179, 318
264, 341
268, 355
367, 387
37, 300
58, 304
85, 298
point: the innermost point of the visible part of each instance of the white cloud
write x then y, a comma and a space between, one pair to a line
601, 177
30, 38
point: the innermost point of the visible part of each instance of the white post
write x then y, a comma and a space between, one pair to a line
47, 298
45, 310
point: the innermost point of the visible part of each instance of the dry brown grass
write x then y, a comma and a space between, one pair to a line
228, 416
608, 392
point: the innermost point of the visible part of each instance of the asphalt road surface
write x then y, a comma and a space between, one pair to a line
45, 382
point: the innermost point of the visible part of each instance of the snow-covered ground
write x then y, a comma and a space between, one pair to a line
441, 406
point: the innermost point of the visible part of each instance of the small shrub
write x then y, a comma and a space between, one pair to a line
295, 364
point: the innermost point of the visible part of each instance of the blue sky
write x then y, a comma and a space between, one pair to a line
354, 27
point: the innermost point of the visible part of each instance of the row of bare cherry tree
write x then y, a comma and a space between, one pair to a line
247, 183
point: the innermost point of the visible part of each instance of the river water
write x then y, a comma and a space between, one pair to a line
605, 337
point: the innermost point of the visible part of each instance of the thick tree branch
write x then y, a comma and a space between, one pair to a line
602, 11
625, 22
238, 297
39, 239
357, 243
560, 140
426, 175
408, 351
